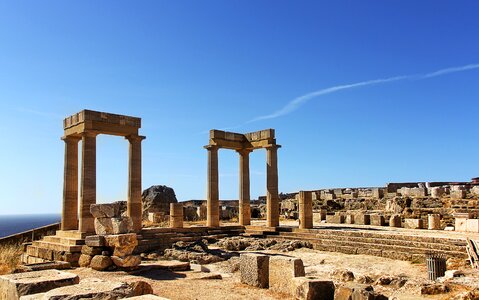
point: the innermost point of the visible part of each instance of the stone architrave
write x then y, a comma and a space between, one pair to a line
305, 210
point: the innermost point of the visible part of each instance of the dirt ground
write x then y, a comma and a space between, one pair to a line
189, 285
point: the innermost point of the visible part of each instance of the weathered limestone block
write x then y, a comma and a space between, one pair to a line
140, 288
336, 219
377, 193
127, 261
377, 220
91, 288
282, 270
122, 244
113, 225
362, 219
473, 225
92, 251
84, 260
95, 241
157, 217
460, 224
13, 286
458, 194
312, 289
437, 192
434, 222
176, 215
107, 210
413, 192
413, 223
357, 291
475, 190
395, 221
254, 269
100, 262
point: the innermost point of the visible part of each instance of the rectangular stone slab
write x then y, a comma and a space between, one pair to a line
13, 286
282, 270
254, 269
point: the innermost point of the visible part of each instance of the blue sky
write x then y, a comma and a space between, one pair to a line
185, 67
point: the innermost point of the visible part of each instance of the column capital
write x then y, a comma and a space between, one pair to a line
272, 147
89, 134
135, 138
211, 147
71, 138
244, 151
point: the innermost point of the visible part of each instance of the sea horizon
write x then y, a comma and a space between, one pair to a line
16, 223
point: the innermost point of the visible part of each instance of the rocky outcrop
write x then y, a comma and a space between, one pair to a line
157, 199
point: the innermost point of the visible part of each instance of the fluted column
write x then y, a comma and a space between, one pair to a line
305, 210
212, 192
88, 182
70, 184
134, 208
244, 188
272, 196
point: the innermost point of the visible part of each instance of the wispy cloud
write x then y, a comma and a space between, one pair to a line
301, 100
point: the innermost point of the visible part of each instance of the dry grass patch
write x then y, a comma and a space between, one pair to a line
9, 257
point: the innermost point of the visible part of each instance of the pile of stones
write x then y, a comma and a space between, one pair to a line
112, 246
196, 252
238, 243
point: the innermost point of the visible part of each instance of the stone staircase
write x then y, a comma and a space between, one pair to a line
387, 244
63, 246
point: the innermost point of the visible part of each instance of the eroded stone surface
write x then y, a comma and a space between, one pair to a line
122, 244
129, 261
312, 289
282, 270
90, 288
107, 210
13, 286
254, 269
100, 262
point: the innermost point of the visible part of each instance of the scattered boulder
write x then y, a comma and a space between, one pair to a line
100, 262
254, 269
393, 281
196, 252
342, 275
130, 261
434, 289
140, 288
282, 270
306, 288
357, 291
364, 279
239, 243
84, 260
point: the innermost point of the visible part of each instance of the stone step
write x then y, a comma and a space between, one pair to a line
72, 234
57, 247
383, 240
63, 240
340, 245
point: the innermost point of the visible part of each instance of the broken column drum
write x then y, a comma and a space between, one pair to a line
244, 144
176, 215
85, 126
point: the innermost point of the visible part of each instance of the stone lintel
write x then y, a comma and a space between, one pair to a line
238, 141
107, 123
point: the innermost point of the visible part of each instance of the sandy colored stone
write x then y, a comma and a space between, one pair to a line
282, 270
122, 244
413, 223
120, 225
90, 288
357, 291
92, 251
140, 288
100, 262
307, 288
106, 210
84, 260
434, 222
95, 241
254, 269
127, 261
377, 220
395, 221
13, 286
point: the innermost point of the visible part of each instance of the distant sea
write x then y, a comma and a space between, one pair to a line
11, 224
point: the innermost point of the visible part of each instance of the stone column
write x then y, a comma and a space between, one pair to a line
70, 184
212, 193
244, 188
434, 222
88, 182
272, 196
305, 210
176, 215
134, 208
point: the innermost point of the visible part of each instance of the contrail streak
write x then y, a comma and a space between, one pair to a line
301, 100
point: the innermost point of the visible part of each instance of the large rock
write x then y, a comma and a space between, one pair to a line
254, 269
84, 260
358, 292
122, 244
113, 225
157, 198
129, 261
90, 288
313, 289
282, 270
106, 210
13, 286
100, 262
